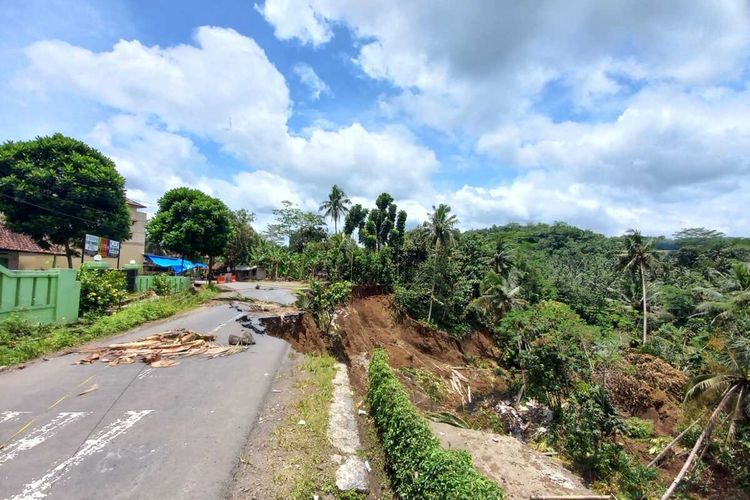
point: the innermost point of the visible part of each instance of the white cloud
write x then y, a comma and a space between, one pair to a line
223, 89
293, 19
311, 80
661, 89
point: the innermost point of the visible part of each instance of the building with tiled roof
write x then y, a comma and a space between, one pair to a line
18, 251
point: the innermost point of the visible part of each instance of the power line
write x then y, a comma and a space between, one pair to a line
19, 200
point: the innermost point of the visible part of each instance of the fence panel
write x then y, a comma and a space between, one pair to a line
40, 296
176, 283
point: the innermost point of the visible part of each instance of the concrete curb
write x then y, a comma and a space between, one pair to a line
343, 434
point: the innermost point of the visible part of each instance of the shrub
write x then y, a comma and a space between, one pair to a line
637, 428
588, 430
588, 426
323, 299
420, 467
161, 285
101, 289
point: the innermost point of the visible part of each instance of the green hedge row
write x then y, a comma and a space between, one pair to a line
419, 466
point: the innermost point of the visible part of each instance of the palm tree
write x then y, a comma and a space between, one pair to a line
336, 206
441, 234
638, 256
502, 260
730, 385
724, 305
497, 296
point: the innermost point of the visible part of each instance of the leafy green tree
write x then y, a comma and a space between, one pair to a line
441, 234
355, 219
378, 229
56, 190
638, 257
241, 239
729, 384
292, 220
191, 224
336, 206
551, 346
268, 254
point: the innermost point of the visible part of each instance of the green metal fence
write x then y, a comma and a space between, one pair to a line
40, 296
176, 283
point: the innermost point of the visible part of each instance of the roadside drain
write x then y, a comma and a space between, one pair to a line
343, 434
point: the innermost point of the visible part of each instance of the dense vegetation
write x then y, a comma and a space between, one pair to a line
567, 307
421, 468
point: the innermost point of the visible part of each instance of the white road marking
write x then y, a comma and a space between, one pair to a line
37, 489
7, 416
145, 373
227, 322
40, 435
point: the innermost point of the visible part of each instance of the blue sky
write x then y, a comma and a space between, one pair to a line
605, 115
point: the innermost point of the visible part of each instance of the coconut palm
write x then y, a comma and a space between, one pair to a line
730, 385
723, 306
502, 260
497, 295
336, 206
441, 234
638, 256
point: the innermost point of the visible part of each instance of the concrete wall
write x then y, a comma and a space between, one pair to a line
40, 296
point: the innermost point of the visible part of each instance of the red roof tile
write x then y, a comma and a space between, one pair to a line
21, 243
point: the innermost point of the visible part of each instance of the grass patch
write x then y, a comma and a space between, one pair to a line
310, 470
21, 341
431, 384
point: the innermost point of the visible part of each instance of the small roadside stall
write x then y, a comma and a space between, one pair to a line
173, 265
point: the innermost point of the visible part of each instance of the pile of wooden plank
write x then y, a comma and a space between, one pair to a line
161, 350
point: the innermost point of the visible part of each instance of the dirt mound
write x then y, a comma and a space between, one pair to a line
648, 387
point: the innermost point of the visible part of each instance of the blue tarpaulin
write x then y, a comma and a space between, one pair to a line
176, 264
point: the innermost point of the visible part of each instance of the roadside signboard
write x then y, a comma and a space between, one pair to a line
103, 246
91, 245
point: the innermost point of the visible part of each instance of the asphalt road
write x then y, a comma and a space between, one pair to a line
144, 432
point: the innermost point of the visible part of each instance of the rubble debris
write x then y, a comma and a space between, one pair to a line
243, 339
530, 419
160, 350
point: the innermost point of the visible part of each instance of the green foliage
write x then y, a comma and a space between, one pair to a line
56, 189
242, 239
420, 467
190, 223
323, 299
161, 285
638, 428
295, 226
551, 345
432, 385
587, 433
101, 290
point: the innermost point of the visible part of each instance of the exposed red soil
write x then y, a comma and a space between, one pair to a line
369, 323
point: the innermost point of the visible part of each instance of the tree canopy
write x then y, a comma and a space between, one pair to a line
191, 224
56, 190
